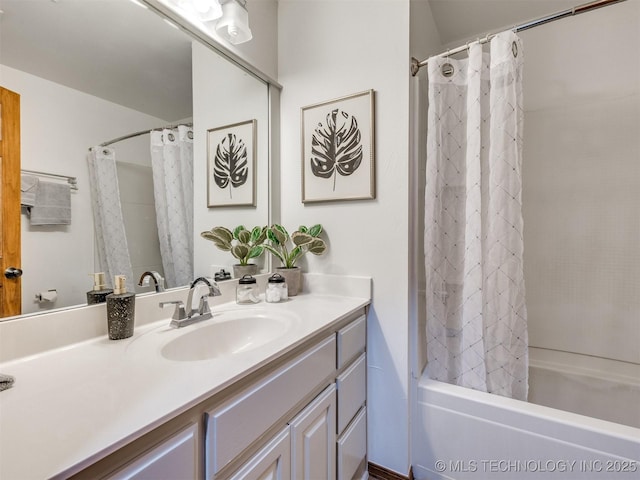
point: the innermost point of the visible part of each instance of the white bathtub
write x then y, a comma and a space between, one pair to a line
460, 433
592, 386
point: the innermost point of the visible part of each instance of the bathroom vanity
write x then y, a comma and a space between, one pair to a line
276, 390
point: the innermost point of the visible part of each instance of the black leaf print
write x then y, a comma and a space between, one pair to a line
336, 146
231, 167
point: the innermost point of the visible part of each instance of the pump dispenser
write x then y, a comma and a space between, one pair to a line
121, 310
100, 290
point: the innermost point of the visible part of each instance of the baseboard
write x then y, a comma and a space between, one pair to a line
382, 473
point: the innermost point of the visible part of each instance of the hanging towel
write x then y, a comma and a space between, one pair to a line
52, 205
28, 190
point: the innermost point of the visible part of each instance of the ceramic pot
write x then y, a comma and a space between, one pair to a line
240, 271
293, 277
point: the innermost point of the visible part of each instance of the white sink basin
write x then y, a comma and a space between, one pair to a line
230, 334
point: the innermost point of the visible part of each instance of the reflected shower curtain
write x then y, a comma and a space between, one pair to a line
172, 166
111, 240
476, 315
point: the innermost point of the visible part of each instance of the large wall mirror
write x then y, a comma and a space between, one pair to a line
89, 72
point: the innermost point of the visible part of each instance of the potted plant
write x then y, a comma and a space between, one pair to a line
242, 243
303, 240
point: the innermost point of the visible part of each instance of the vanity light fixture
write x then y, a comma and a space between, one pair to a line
233, 26
203, 10
228, 19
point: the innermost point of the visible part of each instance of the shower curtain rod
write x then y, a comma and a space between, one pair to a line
142, 132
416, 64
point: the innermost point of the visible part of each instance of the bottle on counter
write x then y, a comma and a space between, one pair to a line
121, 310
100, 290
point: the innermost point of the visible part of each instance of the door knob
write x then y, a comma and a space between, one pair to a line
13, 272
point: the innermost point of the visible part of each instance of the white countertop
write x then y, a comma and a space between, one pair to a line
74, 405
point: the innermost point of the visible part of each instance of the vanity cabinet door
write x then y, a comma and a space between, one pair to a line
175, 458
313, 439
273, 462
352, 448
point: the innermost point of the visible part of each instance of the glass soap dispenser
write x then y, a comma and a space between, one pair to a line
247, 291
121, 310
277, 290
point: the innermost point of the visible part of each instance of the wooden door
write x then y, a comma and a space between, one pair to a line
10, 265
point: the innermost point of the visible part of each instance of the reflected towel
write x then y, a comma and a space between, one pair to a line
52, 205
28, 190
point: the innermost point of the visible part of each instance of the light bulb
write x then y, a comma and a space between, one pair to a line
234, 24
204, 10
202, 6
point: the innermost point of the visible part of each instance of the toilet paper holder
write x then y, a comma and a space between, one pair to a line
47, 296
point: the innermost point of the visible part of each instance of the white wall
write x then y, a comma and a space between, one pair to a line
223, 94
329, 49
582, 183
58, 125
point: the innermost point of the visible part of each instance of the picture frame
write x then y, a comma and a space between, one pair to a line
231, 165
348, 171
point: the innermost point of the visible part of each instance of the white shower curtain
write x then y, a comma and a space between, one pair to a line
111, 240
172, 166
476, 315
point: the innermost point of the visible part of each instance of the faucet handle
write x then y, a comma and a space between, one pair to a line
179, 313
203, 308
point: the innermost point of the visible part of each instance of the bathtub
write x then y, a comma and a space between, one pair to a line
591, 386
460, 433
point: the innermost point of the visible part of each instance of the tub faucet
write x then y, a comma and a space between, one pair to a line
183, 317
158, 280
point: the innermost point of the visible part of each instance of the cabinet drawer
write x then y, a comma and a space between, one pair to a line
237, 423
352, 446
174, 458
352, 391
351, 340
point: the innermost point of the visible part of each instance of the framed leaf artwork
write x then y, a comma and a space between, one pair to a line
338, 149
231, 165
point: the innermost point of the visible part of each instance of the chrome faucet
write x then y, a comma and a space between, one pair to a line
182, 318
158, 280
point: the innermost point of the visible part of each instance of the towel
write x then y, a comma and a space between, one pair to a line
6, 382
28, 190
52, 205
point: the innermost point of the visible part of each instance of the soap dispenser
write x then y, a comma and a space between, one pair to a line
121, 310
100, 290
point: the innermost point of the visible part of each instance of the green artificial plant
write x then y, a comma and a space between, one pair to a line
304, 240
242, 243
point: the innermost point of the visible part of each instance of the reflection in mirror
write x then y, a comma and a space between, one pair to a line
81, 86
